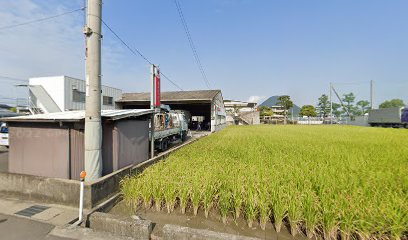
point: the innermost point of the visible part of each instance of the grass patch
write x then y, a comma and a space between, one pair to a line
320, 180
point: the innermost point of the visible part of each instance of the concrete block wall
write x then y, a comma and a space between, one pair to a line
122, 226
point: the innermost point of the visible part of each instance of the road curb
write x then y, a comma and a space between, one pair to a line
121, 226
171, 232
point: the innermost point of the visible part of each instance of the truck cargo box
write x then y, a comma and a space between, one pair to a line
385, 115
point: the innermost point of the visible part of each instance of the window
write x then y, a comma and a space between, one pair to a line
78, 96
4, 130
107, 100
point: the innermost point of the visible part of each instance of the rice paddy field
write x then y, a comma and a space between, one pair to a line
321, 181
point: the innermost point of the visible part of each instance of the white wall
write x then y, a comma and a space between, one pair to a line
54, 87
218, 118
80, 85
60, 89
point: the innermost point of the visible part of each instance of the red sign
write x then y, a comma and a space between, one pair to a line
157, 90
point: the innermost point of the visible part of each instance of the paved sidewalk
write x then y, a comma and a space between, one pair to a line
32, 222
22, 220
52, 214
16, 228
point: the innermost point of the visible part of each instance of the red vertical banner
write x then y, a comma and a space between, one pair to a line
157, 90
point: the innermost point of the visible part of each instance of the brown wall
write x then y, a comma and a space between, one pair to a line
39, 149
107, 148
51, 150
77, 152
131, 143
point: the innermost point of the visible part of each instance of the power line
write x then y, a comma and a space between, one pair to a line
134, 51
7, 78
137, 52
191, 43
41, 19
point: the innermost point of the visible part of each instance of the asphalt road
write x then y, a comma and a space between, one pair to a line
16, 228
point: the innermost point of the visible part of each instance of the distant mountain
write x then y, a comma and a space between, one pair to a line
272, 101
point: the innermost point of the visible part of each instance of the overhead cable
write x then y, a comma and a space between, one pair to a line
7, 78
137, 52
41, 19
191, 43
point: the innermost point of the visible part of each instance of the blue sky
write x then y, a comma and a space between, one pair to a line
249, 48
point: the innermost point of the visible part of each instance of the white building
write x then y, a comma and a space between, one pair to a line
62, 93
241, 113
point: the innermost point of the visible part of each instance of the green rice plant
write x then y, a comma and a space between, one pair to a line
399, 217
224, 203
209, 193
130, 192
329, 217
251, 202
145, 189
157, 193
183, 196
170, 194
264, 204
237, 198
311, 213
324, 180
279, 207
295, 212
196, 197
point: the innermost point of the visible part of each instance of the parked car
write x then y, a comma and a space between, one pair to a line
4, 135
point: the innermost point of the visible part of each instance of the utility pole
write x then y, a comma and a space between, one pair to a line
154, 103
93, 127
371, 94
331, 105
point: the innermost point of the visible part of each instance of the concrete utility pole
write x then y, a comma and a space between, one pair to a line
371, 94
93, 127
331, 105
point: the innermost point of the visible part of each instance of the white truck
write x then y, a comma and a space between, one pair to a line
389, 117
169, 127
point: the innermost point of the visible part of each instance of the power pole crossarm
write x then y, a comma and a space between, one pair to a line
93, 127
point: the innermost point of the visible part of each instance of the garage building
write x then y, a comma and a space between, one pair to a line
205, 106
52, 144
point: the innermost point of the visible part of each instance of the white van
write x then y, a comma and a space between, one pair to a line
4, 135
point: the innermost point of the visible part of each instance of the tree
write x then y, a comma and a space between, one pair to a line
285, 102
392, 103
13, 109
324, 105
336, 111
265, 111
364, 105
308, 110
349, 100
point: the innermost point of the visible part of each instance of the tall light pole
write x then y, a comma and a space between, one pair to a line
93, 127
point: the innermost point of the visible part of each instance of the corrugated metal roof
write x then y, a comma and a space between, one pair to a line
74, 116
172, 96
